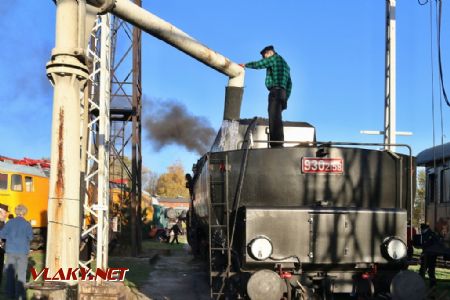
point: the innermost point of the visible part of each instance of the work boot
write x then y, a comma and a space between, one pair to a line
432, 283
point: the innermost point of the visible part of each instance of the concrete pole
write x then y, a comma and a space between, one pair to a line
390, 92
68, 73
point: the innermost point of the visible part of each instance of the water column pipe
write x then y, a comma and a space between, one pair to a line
68, 73
170, 34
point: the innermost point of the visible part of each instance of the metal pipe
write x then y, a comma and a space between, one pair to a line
170, 34
390, 89
68, 74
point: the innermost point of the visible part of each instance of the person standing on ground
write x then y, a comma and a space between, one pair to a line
3, 216
176, 231
428, 257
279, 84
18, 234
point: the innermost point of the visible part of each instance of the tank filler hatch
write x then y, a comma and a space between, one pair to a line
232, 138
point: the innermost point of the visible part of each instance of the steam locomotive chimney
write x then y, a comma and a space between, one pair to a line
170, 34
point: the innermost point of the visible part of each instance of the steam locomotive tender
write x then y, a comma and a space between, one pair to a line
308, 218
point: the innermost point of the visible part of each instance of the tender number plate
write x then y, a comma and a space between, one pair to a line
322, 165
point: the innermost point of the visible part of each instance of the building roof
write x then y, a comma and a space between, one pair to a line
173, 200
8, 167
439, 153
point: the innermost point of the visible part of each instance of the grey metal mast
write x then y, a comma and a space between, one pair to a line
390, 91
389, 131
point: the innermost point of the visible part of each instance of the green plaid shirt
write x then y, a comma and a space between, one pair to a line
277, 73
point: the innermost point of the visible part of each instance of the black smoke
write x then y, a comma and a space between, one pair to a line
169, 122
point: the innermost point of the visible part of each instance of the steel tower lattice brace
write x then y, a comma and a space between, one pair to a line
95, 217
126, 107
136, 153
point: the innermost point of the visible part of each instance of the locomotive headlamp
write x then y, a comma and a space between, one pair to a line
393, 249
260, 248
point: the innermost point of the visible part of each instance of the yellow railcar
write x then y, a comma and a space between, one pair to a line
29, 185
26, 185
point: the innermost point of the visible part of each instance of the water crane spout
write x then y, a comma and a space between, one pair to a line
170, 34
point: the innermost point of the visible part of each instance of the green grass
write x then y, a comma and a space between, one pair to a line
36, 260
150, 245
137, 275
140, 267
442, 287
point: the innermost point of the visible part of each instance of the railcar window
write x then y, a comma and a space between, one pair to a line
430, 187
29, 184
445, 185
16, 182
3, 181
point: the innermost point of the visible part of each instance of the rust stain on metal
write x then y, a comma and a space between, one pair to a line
59, 193
59, 189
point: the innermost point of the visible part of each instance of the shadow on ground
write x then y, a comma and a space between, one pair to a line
176, 275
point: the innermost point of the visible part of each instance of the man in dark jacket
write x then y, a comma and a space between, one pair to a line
279, 84
3, 216
428, 257
176, 231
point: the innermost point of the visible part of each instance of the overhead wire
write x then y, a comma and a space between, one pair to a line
432, 104
441, 74
432, 74
441, 81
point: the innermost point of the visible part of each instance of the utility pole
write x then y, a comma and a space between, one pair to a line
390, 92
389, 131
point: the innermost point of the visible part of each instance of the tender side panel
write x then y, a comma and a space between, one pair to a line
324, 236
370, 178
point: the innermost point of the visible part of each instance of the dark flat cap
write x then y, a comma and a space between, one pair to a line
270, 47
4, 206
424, 226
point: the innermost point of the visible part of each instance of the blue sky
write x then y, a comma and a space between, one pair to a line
335, 50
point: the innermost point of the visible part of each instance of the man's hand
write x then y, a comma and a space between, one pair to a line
242, 65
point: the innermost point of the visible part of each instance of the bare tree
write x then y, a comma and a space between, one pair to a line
149, 180
419, 201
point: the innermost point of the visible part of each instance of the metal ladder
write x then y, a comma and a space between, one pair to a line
219, 223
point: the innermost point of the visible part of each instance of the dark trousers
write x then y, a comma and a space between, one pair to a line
2, 263
175, 238
428, 262
16, 275
277, 100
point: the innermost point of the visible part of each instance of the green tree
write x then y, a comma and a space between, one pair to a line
419, 201
172, 183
